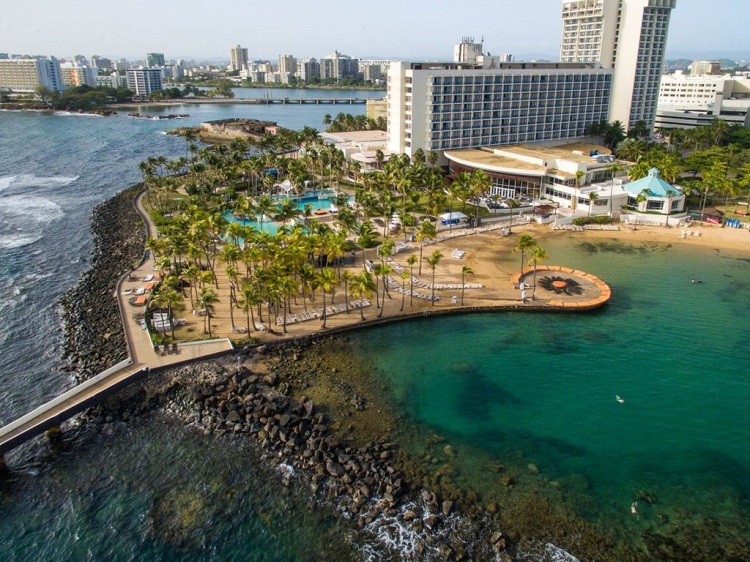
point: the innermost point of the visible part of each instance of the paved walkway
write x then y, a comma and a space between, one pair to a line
132, 293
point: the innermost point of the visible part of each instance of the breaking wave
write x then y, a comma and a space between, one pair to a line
30, 180
23, 219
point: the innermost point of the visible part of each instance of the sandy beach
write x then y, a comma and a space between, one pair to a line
487, 254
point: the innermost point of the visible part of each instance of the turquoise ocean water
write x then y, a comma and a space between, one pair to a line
540, 388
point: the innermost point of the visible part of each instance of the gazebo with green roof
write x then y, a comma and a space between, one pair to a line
658, 195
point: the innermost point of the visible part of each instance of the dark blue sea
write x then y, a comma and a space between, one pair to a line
506, 389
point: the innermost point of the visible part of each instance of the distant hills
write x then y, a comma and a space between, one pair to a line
681, 63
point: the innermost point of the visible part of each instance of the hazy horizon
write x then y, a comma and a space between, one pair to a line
389, 30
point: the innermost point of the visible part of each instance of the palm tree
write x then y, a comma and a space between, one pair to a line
326, 278
206, 300
465, 270
525, 242
248, 299
433, 261
167, 298
404, 277
538, 254
362, 287
580, 175
642, 196
480, 183
593, 196
411, 260
346, 276
614, 169
426, 231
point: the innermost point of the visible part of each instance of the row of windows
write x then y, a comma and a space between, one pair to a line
519, 79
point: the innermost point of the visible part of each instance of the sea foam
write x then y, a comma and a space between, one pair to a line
30, 180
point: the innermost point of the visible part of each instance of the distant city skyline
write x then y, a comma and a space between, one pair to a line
189, 29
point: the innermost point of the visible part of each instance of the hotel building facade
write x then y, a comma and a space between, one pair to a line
628, 36
447, 106
28, 74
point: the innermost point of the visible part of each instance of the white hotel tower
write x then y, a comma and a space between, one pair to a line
629, 36
446, 106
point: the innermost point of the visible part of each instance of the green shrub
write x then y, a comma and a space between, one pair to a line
601, 219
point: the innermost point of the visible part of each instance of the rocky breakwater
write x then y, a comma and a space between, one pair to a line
366, 483
94, 338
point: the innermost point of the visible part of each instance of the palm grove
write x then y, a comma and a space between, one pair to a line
300, 266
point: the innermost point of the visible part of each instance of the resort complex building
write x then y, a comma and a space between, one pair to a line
628, 36
578, 178
28, 74
238, 58
447, 106
687, 101
143, 81
556, 172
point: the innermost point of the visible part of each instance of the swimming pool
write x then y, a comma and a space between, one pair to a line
318, 200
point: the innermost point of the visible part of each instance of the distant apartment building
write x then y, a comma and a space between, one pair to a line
113, 80
287, 64
337, 66
629, 36
143, 81
687, 101
238, 58
468, 50
309, 69
445, 106
101, 63
28, 74
73, 75
374, 71
154, 60
700, 67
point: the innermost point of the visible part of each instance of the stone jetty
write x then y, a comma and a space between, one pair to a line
94, 338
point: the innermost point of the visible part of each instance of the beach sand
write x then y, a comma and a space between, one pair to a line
490, 257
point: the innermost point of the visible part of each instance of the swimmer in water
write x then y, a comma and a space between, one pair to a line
634, 509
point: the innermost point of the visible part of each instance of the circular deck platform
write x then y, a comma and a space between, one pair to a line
594, 291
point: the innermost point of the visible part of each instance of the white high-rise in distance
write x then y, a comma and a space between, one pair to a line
629, 36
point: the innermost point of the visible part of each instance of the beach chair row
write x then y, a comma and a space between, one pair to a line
317, 314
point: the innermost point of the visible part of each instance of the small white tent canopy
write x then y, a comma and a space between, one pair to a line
286, 186
454, 218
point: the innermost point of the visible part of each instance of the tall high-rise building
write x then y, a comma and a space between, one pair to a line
143, 81
338, 66
238, 58
309, 69
445, 106
154, 59
629, 36
287, 64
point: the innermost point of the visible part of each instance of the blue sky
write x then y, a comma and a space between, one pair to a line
385, 28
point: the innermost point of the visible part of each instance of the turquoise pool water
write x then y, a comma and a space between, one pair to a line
520, 389
317, 204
